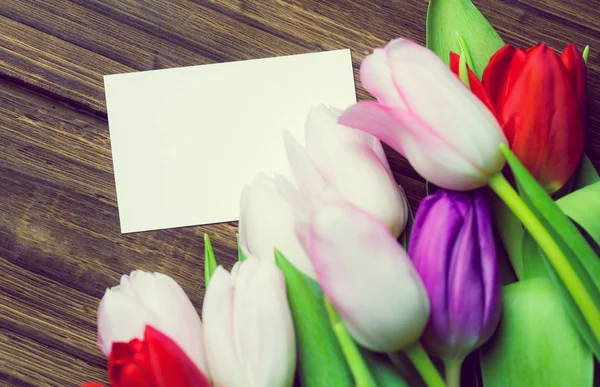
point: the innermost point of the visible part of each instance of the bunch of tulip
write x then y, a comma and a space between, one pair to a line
338, 284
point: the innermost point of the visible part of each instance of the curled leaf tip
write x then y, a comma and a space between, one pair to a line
210, 263
464, 53
586, 53
241, 255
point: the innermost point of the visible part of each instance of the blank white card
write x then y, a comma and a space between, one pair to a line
186, 140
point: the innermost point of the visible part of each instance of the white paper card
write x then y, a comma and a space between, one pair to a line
186, 140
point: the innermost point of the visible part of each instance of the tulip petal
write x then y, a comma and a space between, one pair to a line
376, 78
169, 364
178, 317
127, 369
353, 169
375, 144
549, 150
466, 293
461, 122
502, 72
121, 319
382, 302
217, 314
475, 84
264, 325
428, 154
375, 119
489, 267
577, 70
445, 225
300, 208
307, 177
268, 213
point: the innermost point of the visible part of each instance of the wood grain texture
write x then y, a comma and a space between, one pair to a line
60, 245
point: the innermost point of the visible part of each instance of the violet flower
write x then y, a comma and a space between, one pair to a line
452, 247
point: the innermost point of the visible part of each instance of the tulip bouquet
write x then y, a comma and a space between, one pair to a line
497, 274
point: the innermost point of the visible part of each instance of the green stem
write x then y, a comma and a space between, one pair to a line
358, 367
551, 249
424, 365
452, 366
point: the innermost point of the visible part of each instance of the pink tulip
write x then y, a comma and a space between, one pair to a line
367, 276
426, 113
249, 331
348, 163
267, 221
150, 299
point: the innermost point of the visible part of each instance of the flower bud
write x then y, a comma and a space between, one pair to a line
367, 276
249, 331
452, 248
348, 163
153, 299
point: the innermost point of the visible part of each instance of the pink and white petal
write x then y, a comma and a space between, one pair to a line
368, 278
376, 78
375, 144
180, 320
376, 120
359, 177
121, 319
299, 206
307, 177
264, 319
143, 285
324, 133
449, 109
217, 313
269, 224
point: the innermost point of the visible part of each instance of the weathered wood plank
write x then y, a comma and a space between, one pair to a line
54, 66
31, 364
60, 244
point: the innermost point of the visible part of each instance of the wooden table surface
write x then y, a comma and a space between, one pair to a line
60, 244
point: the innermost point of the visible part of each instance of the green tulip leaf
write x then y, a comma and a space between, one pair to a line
580, 256
536, 344
382, 369
241, 256
510, 231
210, 263
534, 269
320, 358
583, 207
574, 313
446, 18
533, 259
586, 174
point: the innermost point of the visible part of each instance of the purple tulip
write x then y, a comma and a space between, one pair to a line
452, 247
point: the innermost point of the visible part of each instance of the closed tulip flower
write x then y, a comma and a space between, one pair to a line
367, 276
427, 114
348, 163
155, 361
267, 222
452, 247
153, 299
249, 331
539, 99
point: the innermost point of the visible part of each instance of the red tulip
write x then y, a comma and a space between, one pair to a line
539, 100
155, 362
